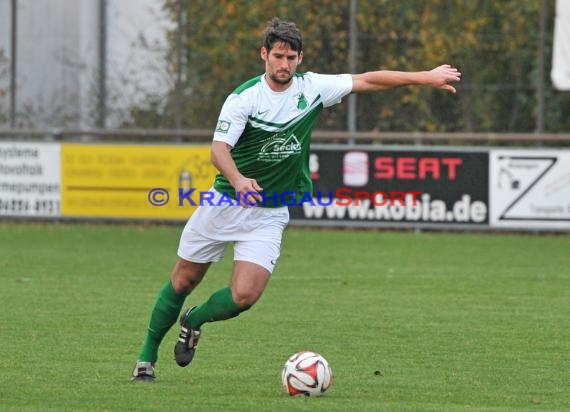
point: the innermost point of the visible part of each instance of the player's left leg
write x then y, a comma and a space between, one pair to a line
256, 250
247, 285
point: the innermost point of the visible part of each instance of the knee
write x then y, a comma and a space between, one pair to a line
183, 284
186, 276
244, 300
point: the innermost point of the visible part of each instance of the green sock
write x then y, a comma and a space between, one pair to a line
219, 306
164, 314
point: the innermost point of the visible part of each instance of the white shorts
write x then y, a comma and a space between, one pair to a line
256, 233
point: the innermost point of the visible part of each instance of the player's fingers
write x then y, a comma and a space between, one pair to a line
254, 196
449, 88
250, 199
256, 186
456, 74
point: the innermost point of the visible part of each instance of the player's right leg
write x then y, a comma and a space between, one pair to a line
196, 253
185, 277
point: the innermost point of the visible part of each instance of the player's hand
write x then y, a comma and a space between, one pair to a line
248, 192
441, 76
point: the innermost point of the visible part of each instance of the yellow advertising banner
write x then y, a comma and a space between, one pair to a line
133, 181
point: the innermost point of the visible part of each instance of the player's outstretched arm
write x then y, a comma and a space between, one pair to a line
439, 77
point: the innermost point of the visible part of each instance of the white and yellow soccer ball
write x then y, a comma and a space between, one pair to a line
306, 373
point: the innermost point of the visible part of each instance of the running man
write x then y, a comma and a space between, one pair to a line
261, 144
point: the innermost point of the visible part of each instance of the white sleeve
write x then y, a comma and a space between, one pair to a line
232, 120
332, 87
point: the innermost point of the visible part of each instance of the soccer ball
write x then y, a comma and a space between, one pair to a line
306, 373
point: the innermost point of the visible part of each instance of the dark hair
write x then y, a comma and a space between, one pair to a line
278, 31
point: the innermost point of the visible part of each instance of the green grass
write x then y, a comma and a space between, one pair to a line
428, 322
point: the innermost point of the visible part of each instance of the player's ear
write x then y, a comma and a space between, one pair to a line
300, 57
263, 54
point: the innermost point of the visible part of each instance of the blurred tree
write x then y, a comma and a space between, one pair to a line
494, 44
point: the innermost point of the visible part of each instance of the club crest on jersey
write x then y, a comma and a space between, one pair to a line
301, 101
279, 148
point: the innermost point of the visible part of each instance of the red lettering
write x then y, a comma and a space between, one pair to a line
384, 198
358, 196
452, 163
341, 196
414, 197
400, 196
406, 168
384, 168
429, 165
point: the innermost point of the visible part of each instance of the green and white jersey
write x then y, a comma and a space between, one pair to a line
270, 132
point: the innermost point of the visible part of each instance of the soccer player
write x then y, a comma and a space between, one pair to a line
261, 148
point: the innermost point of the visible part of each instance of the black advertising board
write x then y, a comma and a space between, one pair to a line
447, 187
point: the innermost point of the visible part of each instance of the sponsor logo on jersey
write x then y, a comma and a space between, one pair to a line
279, 148
223, 126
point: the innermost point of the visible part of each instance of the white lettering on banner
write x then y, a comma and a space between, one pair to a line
425, 209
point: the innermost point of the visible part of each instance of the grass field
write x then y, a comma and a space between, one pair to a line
409, 322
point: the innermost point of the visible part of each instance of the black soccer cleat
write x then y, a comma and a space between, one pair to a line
144, 372
187, 341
